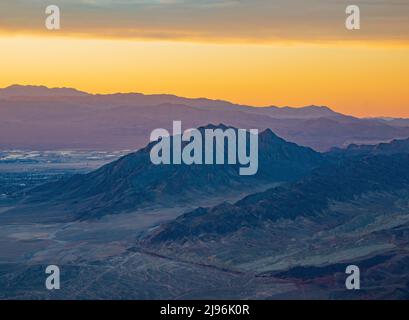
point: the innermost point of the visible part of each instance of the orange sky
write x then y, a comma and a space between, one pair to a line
358, 80
232, 52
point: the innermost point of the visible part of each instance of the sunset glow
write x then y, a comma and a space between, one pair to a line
364, 75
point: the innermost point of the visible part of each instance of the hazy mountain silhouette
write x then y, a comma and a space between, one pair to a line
15, 91
138, 99
38, 118
394, 147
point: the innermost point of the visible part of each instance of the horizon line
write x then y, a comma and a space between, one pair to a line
238, 104
91, 93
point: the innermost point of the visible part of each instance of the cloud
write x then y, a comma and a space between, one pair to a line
213, 20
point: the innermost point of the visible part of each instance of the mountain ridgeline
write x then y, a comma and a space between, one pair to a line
394, 147
133, 182
68, 119
297, 223
310, 197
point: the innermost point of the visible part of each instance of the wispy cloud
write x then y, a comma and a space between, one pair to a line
213, 20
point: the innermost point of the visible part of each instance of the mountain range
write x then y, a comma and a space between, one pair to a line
394, 147
133, 182
309, 197
204, 231
40, 118
131, 229
307, 232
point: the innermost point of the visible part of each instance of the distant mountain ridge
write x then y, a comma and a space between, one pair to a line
394, 147
14, 91
39, 118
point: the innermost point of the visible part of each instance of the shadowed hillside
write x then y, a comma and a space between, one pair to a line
133, 182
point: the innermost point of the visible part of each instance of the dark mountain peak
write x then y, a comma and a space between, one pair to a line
212, 126
133, 182
269, 134
266, 134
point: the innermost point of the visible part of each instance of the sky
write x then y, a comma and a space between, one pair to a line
253, 52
